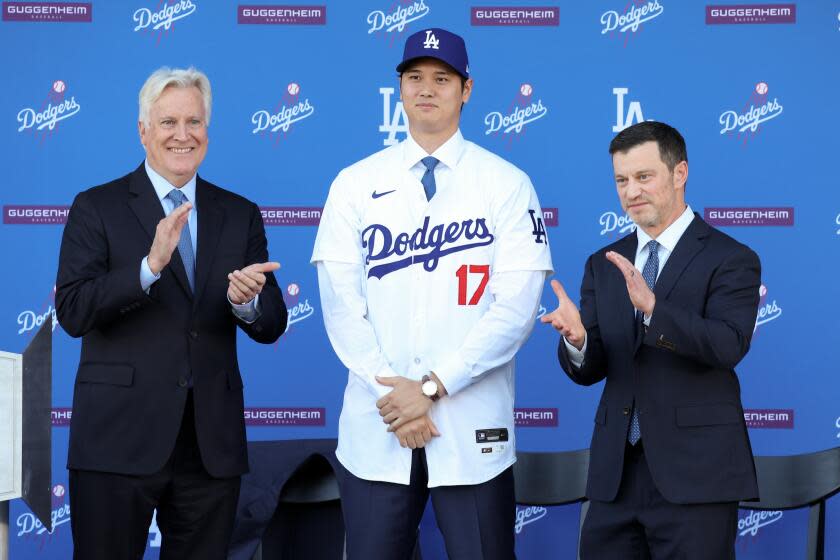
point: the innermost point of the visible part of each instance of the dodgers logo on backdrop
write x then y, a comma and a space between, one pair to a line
155, 536
438, 241
837, 223
837, 425
523, 111
619, 223
527, 515
30, 320
767, 310
393, 121
299, 308
53, 12
515, 15
162, 17
291, 110
29, 526
754, 521
54, 109
632, 18
624, 119
396, 18
756, 13
747, 121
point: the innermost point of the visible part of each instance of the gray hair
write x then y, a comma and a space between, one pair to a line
165, 77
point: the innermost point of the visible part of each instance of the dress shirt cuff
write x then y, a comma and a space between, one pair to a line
575, 355
147, 277
454, 374
248, 312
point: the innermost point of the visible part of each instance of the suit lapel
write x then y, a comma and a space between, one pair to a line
146, 206
687, 248
211, 217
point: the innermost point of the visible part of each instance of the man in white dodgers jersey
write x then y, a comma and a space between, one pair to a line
431, 256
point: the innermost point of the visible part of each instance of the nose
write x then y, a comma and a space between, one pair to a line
633, 189
181, 131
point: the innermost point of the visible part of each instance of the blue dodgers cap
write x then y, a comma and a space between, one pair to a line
440, 44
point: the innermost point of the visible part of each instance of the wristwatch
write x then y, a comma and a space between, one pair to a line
429, 388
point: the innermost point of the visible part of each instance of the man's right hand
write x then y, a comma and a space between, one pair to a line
167, 236
566, 318
417, 433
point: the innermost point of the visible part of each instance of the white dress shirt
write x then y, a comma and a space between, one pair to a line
667, 242
248, 312
398, 275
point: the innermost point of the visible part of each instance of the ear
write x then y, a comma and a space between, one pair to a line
141, 130
465, 94
681, 174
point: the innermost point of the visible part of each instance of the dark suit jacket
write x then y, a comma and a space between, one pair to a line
138, 350
680, 371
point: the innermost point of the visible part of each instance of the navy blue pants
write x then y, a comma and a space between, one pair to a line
641, 524
381, 518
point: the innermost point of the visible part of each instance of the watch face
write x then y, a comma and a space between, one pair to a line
429, 388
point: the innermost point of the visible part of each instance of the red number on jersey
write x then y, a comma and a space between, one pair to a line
484, 270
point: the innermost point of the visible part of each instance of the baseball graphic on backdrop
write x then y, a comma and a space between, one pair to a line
526, 90
761, 88
59, 86
293, 88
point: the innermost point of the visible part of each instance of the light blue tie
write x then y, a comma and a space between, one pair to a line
649, 273
185, 243
428, 179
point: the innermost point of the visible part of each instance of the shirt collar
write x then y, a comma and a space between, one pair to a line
162, 186
670, 236
449, 153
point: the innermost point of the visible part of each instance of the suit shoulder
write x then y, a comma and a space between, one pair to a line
112, 188
726, 243
494, 164
226, 197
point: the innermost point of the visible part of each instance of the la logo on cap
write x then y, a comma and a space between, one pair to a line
431, 42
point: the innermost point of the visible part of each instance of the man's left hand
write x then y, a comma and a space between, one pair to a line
404, 403
245, 284
640, 295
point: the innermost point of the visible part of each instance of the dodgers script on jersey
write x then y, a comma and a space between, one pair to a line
450, 285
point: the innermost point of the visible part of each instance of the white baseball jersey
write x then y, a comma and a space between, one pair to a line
450, 285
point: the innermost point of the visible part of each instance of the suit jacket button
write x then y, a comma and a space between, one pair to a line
194, 335
626, 410
182, 382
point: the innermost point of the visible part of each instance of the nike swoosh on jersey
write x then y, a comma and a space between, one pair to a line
375, 194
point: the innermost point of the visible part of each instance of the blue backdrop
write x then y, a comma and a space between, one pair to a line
303, 91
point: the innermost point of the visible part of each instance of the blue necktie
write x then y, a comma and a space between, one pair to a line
428, 179
649, 273
185, 243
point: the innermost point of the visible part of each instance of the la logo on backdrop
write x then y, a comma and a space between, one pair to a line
44, 119
156, 19
745, 123
511, 123
278, 123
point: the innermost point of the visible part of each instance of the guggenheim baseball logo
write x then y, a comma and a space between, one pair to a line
294, 416
291, 109
397, 17
750, 13
515, 15
291, 215
522, 111
58, 12
771, 418
535, 417
758, 109
749, 216
18, 214
282, 15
